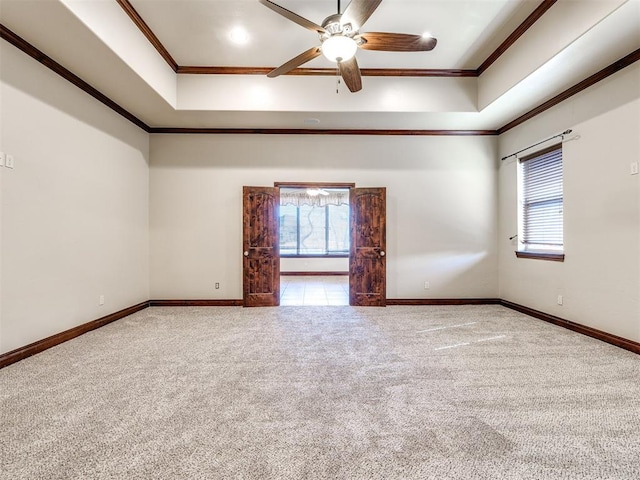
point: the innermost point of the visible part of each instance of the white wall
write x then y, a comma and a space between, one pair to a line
441, 206
74, 211
314, 264
82, 213
600, 278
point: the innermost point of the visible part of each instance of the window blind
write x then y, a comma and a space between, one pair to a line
542, 198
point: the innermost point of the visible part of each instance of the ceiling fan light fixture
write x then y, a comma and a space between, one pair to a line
339, 48
340, 38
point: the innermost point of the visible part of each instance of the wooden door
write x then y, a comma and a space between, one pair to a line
367, 259
260, 246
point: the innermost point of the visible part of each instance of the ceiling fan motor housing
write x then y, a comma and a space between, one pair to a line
334, 26
340, 39
337, 42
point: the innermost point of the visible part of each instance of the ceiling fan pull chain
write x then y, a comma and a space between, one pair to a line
338, 78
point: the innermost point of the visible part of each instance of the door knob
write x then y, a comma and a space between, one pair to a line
246, 254
382, 253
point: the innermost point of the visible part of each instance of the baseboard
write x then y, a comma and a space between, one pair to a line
443, 301
312, 274
46, 343
195, 303
576, 327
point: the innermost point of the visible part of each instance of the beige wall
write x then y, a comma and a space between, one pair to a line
441, 206
82, 213
74, 211
314, 264
600, 278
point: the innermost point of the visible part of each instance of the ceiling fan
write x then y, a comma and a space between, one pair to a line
340, 38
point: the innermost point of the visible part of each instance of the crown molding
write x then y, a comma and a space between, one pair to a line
147, 32
33, 52
515, 35
616, 66
372, 72
48, 62
366, 72
318, 131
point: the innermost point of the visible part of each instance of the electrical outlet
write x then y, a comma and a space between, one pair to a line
560, 300
8, 161
427, 285
217, 285
101, 300
2, 157
634, 168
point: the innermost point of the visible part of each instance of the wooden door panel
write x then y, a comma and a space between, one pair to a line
367, 279
368, 233
260, 245
261, 274
367, 260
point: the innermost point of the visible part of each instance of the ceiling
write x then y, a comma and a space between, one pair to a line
198, 32
452, 87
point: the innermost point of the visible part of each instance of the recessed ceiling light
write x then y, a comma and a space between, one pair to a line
239, 35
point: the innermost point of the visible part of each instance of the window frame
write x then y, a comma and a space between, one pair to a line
306, 185
533, 250
328, 253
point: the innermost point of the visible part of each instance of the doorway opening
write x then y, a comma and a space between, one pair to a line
261, 245
314, 244
318, 290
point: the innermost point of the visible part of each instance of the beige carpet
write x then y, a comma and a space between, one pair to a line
475, 392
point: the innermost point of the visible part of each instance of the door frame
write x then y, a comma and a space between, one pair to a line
313, 185
344, 185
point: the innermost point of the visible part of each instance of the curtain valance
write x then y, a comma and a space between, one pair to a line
300, 198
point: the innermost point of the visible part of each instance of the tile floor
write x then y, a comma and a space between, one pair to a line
314, 290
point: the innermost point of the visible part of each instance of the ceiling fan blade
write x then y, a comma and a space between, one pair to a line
295, 62
351, 74
397, 42
359, 12
294, 17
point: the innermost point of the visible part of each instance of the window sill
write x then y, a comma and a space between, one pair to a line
550, 256
317, 255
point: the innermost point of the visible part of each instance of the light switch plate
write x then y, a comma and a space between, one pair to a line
634, 168
8, 161
2, 157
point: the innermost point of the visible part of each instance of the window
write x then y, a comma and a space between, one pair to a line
315, 224
541, 205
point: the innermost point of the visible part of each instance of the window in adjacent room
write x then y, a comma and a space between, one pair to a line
314, 222
541, 229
